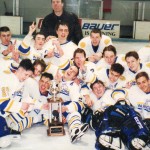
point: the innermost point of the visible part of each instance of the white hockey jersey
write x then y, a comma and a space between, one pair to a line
120, 58
11, 90
140, 101
27, 49
63, 62
4, 47
86, 44
103, 102
103, 75
144, 54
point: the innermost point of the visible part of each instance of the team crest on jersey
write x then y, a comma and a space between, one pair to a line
82, 44
148, 65
64, 89
36, 57
56, 55
107, 41
123, 59
17, 93
123, 78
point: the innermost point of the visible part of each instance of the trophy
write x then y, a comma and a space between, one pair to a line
55, 124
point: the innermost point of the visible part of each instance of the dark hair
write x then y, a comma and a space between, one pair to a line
98, 82
95, 30
117, 68
39, 33
47, 75
61, 23
79, 50
110, 48
132, 54
77, 68
142, 74
27, 65
40, 62
4, 29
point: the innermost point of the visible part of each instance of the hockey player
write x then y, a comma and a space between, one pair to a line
6, 43
110, 56
39, 67
59, 49
119, 123
127, 124
134, 66
32, 48
113, 78
34, 114
87, 69
94, 45
10, 95
72, 106
139, 95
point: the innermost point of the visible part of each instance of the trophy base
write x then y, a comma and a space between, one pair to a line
56, 130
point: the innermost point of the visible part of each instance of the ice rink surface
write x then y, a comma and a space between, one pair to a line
36, 137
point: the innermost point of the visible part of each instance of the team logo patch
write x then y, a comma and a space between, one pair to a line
82, 44
107, 41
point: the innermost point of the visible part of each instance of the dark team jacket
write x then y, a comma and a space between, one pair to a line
75, 32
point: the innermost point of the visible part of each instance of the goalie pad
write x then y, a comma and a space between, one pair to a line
135, 134
96, 120
113, 118
108, 132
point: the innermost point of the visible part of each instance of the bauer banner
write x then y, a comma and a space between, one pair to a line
108, 27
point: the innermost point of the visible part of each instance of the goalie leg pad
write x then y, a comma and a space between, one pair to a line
135, 133
113, 118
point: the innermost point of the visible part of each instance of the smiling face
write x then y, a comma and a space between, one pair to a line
109, 57
71, 73
98, 89
44, 84
113, 76
23, 74
5, 37
95, 39
143, 84
37, 70
39, 41
133, 63
62, 32
79, 59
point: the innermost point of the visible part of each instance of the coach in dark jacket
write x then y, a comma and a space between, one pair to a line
60, 15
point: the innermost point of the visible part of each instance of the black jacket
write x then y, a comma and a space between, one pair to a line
75, 32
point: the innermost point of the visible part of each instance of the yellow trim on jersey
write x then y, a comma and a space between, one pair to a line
72, 119
24, 45
29, 122
21, 126
64, 65
75, 106
93, 79
9, 105
3, 99
48, 66
24, 54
